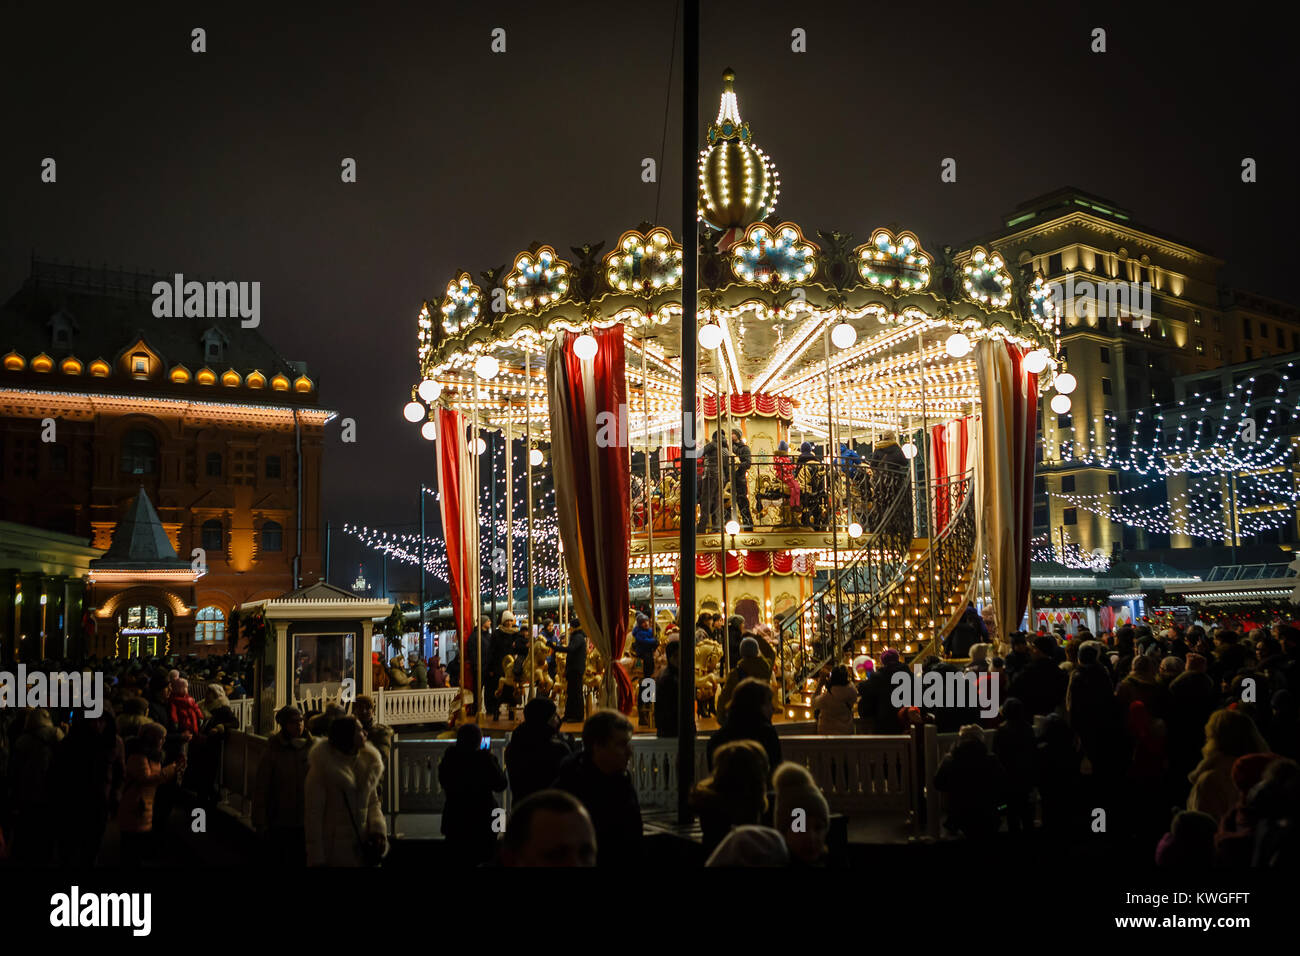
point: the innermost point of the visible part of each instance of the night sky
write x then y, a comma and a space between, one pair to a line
226, 164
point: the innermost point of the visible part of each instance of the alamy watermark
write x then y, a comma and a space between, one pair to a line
1104, 299
944, 689
59, 691
209, 300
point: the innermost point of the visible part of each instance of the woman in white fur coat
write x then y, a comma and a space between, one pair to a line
342, 797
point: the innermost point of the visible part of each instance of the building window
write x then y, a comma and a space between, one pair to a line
273, 466
1200, 346
1281, 342
213, 464
1067, 485
1105, 355
272, 536
139, 452
1112, 482
59, 459
211, 626
140, 364
1105, 386
1218, 352
1070, 516
1196, 317
1245, 329
1054, 264
1250, 354
213, 534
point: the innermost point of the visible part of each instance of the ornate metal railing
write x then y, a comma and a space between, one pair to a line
775, 493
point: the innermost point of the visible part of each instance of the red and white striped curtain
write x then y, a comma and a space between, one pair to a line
952, 454
589, 456
1008, 427
457, 503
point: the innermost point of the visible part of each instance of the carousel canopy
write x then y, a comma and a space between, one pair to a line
873, 334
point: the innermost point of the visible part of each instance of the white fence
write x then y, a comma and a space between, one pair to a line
243, 709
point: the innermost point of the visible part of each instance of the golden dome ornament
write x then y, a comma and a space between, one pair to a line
739, 183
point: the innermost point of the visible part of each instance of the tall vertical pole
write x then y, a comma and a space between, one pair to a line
528, 453
421, 568
932, 531
649, 495
690, 276
721, 483
510, 508
492, 521
478, 557
832, 477
327, 552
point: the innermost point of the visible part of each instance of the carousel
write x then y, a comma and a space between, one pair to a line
862, 440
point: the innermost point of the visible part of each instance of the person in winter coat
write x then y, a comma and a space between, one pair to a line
1042, 684
536, 750
598, 777
1189, 844
1057, 766
667, 691
801, 814
279, 791
29, 768
504, 644
342, 812
470, 777
1229, 734
143, 775
1234, 844
1193, 699
1015, 747
397, 675
419, 672
749, 664
644, 646
575, 669
836, 704
88, 769
736, 793
974, 782
785, 468
184, 711
749, 718
875, 705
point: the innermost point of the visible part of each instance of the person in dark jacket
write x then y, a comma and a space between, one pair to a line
742, 461
1019, 658
1016, 749
536, 750
575, 671
960, 639
875, 704
87, 774
710, 489
749, 718
279, 791
1057, 768
1193, 698
974, 782
599, 778
1094, 712
1042, 684
735, 795
644, 645
470, 777
667, 692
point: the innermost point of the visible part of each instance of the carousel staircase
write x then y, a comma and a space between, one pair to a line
883, 597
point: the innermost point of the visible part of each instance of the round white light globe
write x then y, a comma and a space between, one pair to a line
1060, 404
585, 347
480, 446
733, 526
429, 431
710, 336
486, 366
844, 335
1036, 361
535, 457
909, 450
412, 411
958, 345
429, 390
1065, 383
855, 530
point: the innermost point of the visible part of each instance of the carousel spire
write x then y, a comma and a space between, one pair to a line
738, 181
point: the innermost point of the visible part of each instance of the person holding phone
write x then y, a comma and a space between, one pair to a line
471, 778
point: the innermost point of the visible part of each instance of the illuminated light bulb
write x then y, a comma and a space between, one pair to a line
480, 446
733, 526
1066, 383
844, 335
429, 390
710, 336
412, 411
487, 366
1060, 404
1036, 361
909, 450
855, 530
958, 345
585, 347
535, 457
428, 431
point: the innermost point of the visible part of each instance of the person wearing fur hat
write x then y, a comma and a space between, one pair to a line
801, 814
397, 673
344, 820
503, 645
